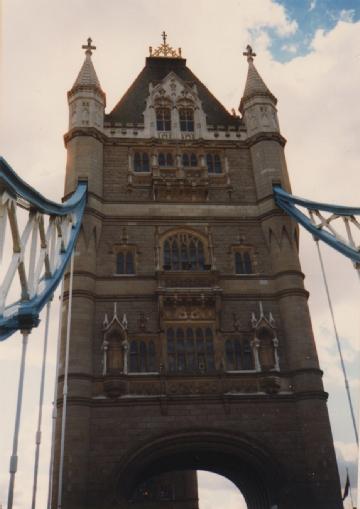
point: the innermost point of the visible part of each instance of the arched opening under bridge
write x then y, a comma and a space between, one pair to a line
244, 463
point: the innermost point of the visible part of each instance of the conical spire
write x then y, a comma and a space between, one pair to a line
87, 76
255, 85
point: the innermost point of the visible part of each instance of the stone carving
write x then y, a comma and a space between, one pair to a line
236, 322
270, 384
193, 387
115, 344
265, 343
241, 386
185, 313
143, 322
115, 387
144, 389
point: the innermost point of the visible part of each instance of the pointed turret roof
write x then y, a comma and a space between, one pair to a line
255, 85
87, 76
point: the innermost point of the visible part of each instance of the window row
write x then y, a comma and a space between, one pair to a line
163, 119
184, 252
141, 161
190, 349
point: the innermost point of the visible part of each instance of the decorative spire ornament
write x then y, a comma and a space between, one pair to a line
249, 54
164, 50
88, 47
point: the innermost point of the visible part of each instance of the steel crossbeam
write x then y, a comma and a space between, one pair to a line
336, 225
40, 250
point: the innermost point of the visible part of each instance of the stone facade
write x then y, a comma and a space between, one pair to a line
191, 340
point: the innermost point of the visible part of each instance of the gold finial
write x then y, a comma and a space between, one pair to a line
249, 54
164, 50
88, 47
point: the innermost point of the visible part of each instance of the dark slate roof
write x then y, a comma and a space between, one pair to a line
131, 106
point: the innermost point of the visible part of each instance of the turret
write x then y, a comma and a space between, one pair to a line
258, 108
258, 104
84, 145
86, 99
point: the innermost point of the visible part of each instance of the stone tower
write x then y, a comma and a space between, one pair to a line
191, 341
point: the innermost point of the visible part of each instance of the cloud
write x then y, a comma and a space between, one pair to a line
347, 15
290, 48
312, 5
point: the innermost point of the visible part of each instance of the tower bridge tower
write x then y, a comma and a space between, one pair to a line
191, 341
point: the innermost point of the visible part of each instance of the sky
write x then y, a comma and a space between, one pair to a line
308, 53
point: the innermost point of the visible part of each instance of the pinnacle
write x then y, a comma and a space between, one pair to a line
87, 75
255, 85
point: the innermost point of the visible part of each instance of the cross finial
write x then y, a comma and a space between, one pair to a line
249, 54
88, 47
164, 36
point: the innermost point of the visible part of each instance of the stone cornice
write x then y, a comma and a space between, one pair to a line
153, 142
244, 296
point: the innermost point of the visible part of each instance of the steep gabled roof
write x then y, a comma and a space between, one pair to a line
131, 106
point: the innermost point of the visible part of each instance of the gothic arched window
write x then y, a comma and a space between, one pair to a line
213, 163
189, 160
165, 159
248, 360
184, 251
134, 365
171, 354
239, 265
238, 355
142, 356
125, 262
151, 357
243, 263
210, 365
247, 263
190, 349
186, 116
163, 119
229, 355
141, 162
180, 349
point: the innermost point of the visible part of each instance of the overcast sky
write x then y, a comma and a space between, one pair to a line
309, 56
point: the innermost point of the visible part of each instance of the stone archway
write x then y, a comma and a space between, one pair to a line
239, 459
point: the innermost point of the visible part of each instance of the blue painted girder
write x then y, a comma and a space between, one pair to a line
24, 314
289, 203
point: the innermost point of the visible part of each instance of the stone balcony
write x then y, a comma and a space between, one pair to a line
178, 183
